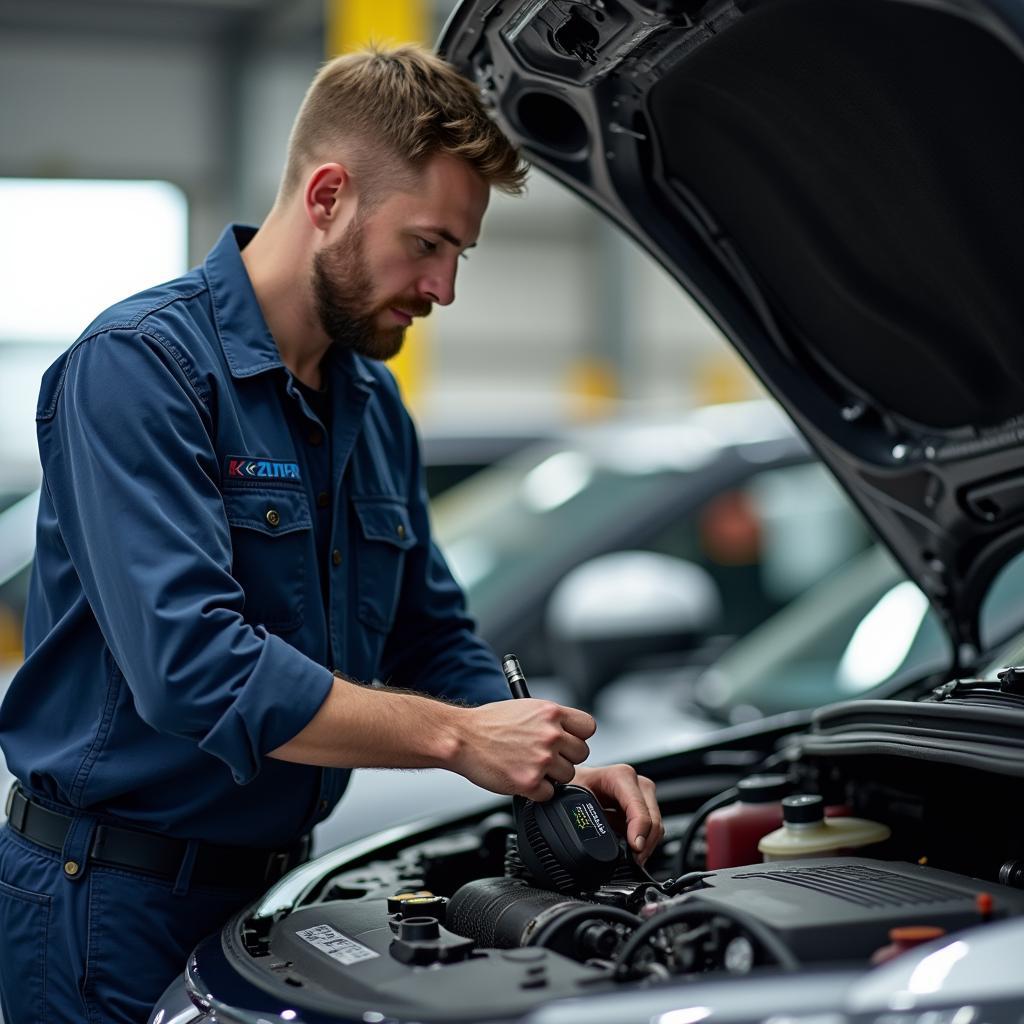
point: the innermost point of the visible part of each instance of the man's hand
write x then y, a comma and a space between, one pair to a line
522, 746
632, 800
509, 747
512, 746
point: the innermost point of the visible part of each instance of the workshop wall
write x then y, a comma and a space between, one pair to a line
207, 102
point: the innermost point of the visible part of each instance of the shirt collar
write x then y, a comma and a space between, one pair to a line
248, 345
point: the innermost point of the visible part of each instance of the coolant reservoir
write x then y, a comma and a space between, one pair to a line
734, 831
806, 832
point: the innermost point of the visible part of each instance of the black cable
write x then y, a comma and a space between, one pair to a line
697, 908
698, 819
671, 886
674, 886
726, 797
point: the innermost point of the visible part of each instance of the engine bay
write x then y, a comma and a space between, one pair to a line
453, 924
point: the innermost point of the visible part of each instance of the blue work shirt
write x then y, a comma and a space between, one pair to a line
176, 628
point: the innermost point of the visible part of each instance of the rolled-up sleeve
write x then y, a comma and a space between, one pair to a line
132, 473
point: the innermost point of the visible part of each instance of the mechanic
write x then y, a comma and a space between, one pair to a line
232, 502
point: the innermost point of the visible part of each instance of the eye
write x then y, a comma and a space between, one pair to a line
425, 245
464, 255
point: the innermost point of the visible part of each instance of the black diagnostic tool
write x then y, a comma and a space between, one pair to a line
566, 842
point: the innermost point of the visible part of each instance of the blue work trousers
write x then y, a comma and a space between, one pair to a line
101, 946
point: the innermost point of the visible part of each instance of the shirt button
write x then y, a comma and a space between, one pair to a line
401, 530
273, 517
323, 499
315, 437
336, 556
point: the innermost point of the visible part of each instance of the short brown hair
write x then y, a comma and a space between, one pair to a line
405, 103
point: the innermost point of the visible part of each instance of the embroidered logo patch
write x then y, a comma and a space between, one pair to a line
241, 467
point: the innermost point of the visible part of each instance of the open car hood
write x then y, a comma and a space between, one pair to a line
840, 184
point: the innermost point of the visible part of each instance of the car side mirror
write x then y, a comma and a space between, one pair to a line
618, 609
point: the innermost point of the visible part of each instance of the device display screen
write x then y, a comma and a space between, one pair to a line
587, 821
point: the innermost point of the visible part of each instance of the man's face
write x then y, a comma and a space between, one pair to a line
395, 262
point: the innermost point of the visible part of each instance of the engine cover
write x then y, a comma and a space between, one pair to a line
840, 908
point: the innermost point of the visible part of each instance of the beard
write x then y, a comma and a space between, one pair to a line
341, 285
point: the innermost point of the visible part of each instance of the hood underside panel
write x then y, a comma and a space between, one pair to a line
840, 184
867, 161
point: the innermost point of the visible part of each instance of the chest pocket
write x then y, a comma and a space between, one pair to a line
385, 536
271, 540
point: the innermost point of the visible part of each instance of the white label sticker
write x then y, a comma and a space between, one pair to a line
334, 944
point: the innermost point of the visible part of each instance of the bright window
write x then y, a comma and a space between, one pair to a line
71, 248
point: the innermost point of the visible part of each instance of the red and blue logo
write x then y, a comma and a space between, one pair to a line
242, 467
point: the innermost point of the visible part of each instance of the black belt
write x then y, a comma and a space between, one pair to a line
152, 854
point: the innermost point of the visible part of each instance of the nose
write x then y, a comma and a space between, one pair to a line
438, 285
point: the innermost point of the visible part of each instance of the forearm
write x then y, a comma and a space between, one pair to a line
360, 727
511, 746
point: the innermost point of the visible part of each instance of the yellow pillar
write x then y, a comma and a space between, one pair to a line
593, 385
350, 25
723, 377
354, 23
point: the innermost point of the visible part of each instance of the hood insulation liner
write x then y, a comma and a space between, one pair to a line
866, 159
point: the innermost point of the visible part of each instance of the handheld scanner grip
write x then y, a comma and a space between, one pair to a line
517, 684
514, 674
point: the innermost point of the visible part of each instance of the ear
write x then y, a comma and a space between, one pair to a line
329, 196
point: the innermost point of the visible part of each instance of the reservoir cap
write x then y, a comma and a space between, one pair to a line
804, 809
762, 789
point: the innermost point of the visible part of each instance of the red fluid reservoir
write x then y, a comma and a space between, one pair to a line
734, 831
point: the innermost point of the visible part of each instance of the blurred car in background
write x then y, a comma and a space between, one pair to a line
861, 632
453, 452
638, 539
18, 528
18, 524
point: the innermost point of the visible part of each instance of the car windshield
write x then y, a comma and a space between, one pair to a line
864, 626
1002, 614
847, 635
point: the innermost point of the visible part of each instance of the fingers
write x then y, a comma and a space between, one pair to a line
541, 792
657, 831
561, 770
638, 815
635, 796
573, 749
538, 744
579, 723
539, 784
